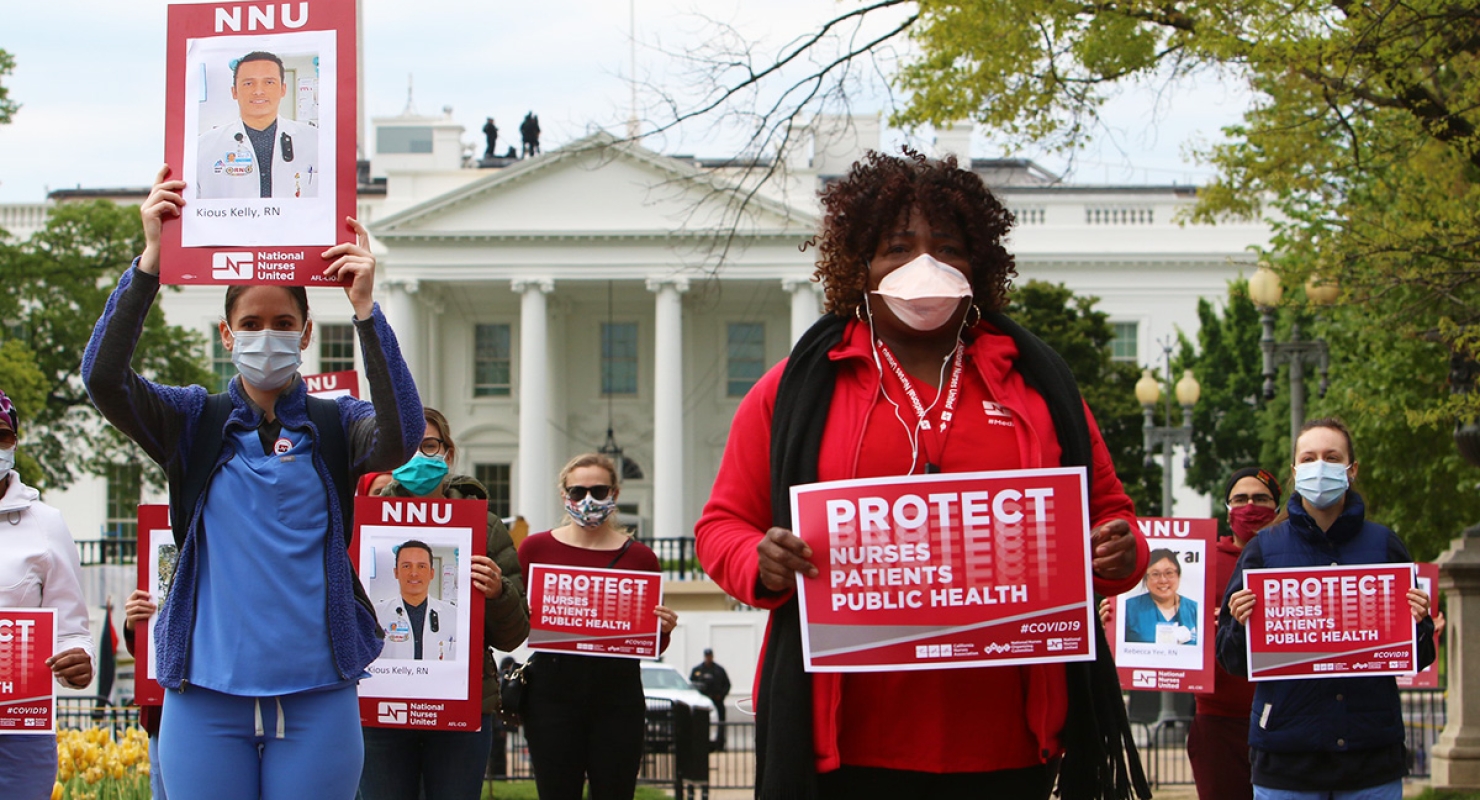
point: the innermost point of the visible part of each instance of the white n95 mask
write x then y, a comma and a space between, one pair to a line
924, 293
267, 359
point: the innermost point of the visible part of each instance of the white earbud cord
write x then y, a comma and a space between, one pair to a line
911, 433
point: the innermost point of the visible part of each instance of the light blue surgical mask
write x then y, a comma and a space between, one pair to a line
267, 359
422, 474
7, 461
1322, 483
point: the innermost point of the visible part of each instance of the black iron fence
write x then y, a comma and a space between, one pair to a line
676, 557
94, 552
1162, 744
85, 712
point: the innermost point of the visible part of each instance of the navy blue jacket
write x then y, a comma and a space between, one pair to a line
1341, 717
163, 420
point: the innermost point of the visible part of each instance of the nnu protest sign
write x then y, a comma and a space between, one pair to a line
594, 612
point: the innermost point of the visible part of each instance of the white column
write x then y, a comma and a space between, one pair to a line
804, 306
668, 477
536, 496
402, 313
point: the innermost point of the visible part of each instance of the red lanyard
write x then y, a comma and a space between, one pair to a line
933, 438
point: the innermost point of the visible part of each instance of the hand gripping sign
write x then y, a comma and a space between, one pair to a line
260, 124
414, 557
594, 612
945, 570
1331, 622
1162, 630
27, 690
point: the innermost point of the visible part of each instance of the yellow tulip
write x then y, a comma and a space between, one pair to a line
56, 791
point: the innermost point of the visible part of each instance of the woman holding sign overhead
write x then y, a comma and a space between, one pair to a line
266, 630
584, 715
1322, 737
915, 370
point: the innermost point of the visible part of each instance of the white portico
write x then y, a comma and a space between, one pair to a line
590, 259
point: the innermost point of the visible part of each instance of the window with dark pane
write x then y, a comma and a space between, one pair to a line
495, 478
619, 358
745, 348
492, 360
336, 347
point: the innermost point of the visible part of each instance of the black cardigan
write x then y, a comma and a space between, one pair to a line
1100, 759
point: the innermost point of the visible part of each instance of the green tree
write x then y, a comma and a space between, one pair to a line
8, 107
1227, 433
55, 286
1363, 130
1072, 327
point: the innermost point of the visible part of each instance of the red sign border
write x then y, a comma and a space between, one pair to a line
146, 690
1205, 529
470, 513
1249, 637
1088, 624
536, 602
196, 20
51, 701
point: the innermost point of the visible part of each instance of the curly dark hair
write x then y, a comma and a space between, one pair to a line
877, 192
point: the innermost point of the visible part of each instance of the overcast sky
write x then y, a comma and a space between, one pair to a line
90, 79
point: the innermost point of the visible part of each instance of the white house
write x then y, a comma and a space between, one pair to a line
542, 301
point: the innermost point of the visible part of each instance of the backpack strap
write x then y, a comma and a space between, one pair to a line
334, 449
199, 463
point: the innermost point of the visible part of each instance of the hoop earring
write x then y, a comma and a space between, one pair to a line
969, 309
858, 312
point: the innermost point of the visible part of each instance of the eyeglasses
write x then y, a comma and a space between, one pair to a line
576, 493
1162, 574
431, 446
7, 438
1245, 499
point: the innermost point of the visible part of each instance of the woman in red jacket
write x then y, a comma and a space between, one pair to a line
916, 276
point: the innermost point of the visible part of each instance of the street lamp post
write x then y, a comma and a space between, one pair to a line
1265, 291
1169, 436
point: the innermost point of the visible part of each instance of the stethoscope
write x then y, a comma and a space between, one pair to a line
285, 144
433, 621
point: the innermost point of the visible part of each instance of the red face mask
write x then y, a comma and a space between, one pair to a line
1247, 520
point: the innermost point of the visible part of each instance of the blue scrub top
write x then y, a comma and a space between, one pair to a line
261, 625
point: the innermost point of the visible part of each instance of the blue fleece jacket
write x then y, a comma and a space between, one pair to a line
163, 420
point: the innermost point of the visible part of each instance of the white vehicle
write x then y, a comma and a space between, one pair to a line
663, 682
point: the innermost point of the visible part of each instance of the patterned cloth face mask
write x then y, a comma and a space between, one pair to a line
589, 512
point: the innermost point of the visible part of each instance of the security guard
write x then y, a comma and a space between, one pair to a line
230, 160
417, 626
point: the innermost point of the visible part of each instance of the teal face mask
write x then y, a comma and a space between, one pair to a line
422, 474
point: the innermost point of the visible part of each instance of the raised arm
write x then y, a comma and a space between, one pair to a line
385, 432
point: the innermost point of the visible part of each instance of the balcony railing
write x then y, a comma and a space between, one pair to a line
94, 552
676, 558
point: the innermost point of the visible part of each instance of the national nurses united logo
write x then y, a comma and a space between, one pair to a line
997, 414
232, 266
282, 445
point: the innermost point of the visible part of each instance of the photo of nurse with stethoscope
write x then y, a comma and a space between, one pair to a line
417, 625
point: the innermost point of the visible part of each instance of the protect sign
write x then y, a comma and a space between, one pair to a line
945, 570
1162, 633
260, 124
594, 612
27, 690
1331, 622
414, 557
